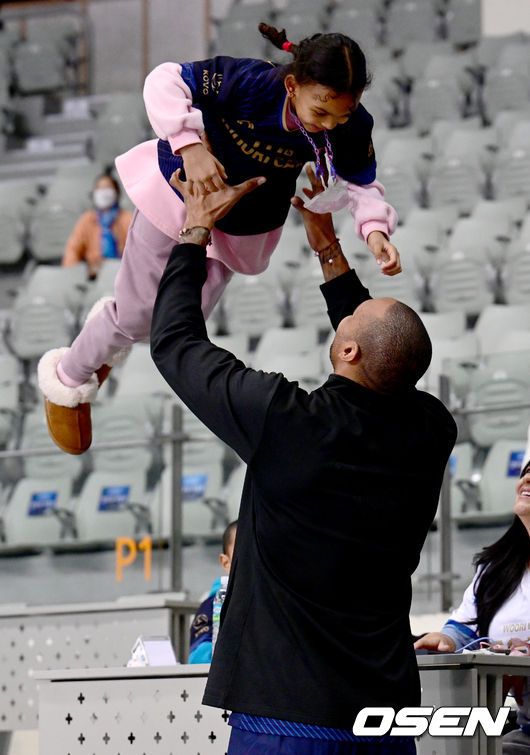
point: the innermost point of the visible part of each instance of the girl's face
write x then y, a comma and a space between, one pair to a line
319, 107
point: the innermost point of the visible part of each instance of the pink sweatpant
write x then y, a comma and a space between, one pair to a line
127, 318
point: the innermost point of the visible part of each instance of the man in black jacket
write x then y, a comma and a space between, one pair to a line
341, 488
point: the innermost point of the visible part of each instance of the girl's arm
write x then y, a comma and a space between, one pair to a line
169, 104
375, 220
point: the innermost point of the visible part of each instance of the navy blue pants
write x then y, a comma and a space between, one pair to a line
249, 743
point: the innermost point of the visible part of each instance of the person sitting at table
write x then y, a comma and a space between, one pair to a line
498, 599
202, 626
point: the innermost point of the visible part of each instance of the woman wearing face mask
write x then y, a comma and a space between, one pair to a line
100, 233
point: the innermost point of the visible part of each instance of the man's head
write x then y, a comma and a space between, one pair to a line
229, 537
383, 345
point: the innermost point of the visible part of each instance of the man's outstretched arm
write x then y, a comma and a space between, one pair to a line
342, 288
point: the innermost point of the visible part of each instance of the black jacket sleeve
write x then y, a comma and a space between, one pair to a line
231, 399
343, 295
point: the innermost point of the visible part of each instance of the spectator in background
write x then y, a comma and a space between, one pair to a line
201, 628
100, 233
497, 601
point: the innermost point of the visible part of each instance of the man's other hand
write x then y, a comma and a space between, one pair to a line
205, 210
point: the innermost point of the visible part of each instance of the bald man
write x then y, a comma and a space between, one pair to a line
341, 488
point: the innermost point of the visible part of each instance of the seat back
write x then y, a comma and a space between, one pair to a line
499, 477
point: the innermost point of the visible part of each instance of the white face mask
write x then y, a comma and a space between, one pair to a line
104, 198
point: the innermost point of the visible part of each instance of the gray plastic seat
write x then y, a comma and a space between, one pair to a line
464, 21
496, 386
113, 501
38, 510
496, 320
63, 286
410, 20
460, 282
251, 306
433, 99
38, 68
37, 325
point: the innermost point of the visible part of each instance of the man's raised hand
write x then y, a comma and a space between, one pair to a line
206, 210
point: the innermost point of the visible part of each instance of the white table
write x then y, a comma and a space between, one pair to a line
158, 710
36, 638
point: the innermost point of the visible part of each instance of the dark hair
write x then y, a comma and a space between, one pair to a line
107, 173
397, 347
503, 566
333, 60
228, 535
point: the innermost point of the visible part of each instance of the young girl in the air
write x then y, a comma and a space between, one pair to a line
223, 119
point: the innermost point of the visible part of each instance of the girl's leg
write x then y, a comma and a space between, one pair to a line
66, 376
218, 278
125, 319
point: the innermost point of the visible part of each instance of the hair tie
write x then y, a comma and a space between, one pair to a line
287, 46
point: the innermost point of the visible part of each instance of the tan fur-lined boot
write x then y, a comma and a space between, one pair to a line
68, 409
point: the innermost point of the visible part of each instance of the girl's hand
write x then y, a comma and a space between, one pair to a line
319, 227
317, 186
204, 172
384, 252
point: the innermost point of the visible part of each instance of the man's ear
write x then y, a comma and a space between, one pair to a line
350, 352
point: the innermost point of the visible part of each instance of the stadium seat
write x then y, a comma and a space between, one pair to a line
433, 99
460, 282
234, 490
492, 495
402, 170
484, 239
51, 225
455, 181
238, 34
516, 275
36, 325
251, 306
38, 509
309, 307
499, 478
508, 213
138, 376
103, 285
408, 286
444, 324
113, 499
511, 176
62, 286
204, 510
415, 57
460, 470
463, 21
495, 386
496, 320
38, 68
358, 21
408, 21
505, 88
456, 358
10, 410
280, 342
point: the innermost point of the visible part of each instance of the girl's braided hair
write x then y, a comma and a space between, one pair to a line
333, 60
